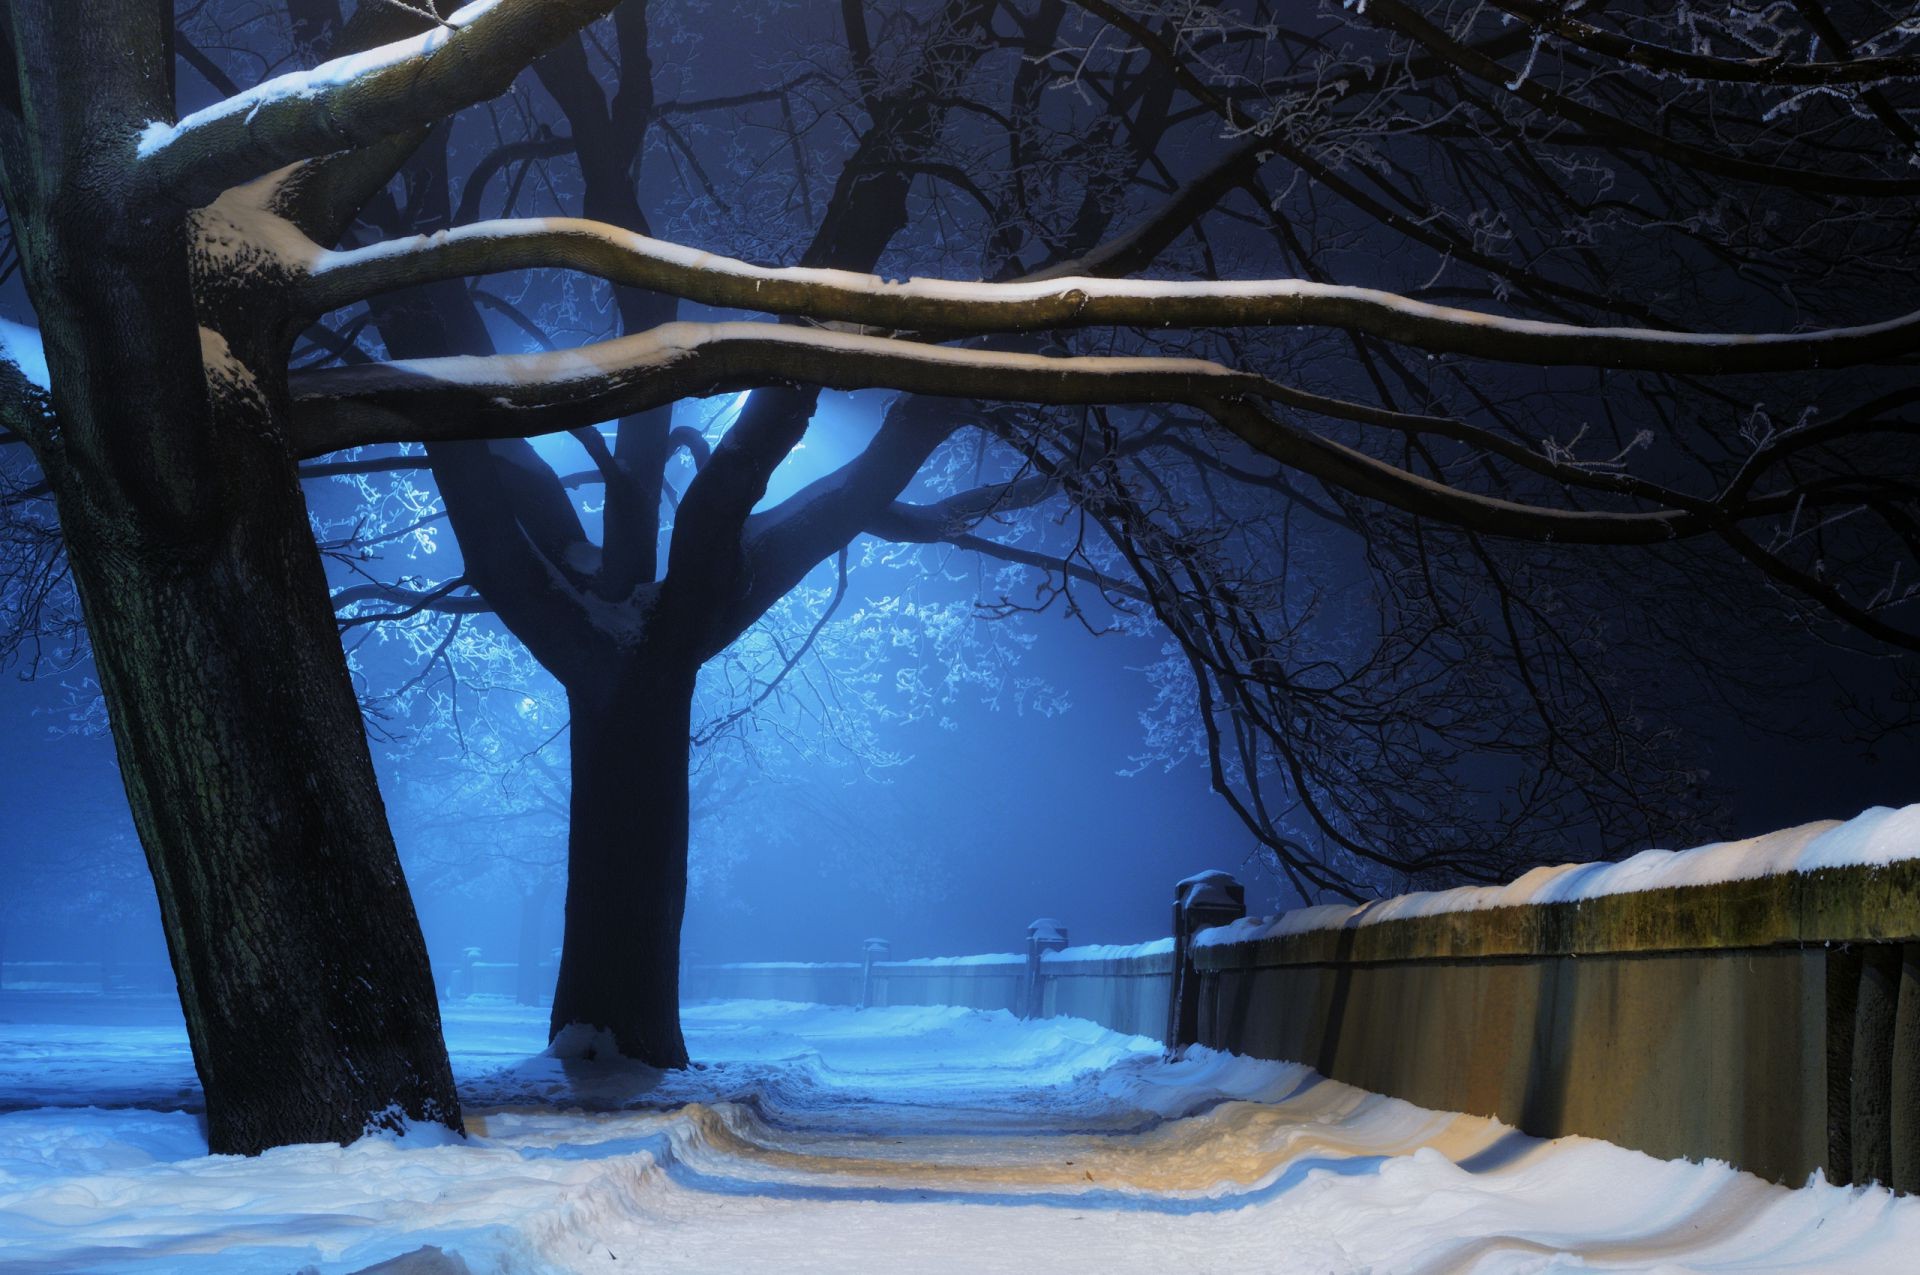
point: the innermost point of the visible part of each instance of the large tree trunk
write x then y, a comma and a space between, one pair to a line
300, 962
627, 863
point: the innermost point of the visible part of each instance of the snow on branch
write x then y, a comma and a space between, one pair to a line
335, 279
502, 396
355, 100
520, 395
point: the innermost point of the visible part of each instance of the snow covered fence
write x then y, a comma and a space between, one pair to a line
1756, 1002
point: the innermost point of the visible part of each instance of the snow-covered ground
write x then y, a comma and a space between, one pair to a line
905, 1139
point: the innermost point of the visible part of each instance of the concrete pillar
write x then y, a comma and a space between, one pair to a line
872, 950
1200, 902
1044, 935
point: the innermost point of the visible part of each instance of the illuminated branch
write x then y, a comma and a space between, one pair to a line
337, 278
507, 396
354, 101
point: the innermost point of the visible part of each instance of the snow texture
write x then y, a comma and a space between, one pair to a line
21, 344
1110, 951
1872, 838
832, 1139
298, 85
788, 965
984, 958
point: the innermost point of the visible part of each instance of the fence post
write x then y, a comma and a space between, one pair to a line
873, 950
1044, 935
1200, 902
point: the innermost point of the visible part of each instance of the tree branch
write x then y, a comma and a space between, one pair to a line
1403, 19
909, 524
411, 601
622, 257
508, 396
1776, 69
353, 101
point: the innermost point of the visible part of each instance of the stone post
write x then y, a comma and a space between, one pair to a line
1044, 935
1200, 902
873, 950
460, 974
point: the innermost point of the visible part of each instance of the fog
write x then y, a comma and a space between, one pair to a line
993, 817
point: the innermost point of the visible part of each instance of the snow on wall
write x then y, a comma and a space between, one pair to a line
1872, 838
987, 958
1110, 951
783, 965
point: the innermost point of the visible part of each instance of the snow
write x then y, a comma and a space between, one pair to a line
1110, 951
788, 965
300, 85
984, 958
833, 1139
1873, 838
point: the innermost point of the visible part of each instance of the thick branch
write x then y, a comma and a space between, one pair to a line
946, 306
356, 100
517, 395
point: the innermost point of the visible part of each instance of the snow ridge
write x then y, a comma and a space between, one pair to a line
1873, 838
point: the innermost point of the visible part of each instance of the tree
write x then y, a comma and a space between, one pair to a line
162, 436
173, 266
1270, 714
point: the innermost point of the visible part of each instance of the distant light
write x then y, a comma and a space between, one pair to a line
727, 415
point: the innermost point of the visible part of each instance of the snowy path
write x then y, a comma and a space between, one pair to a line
885, 1140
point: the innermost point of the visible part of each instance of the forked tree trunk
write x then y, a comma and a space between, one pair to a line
627, 863
301, 967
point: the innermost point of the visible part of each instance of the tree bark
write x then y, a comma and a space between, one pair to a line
301, 967
627, 861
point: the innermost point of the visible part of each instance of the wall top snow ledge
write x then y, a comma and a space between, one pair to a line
1857, 881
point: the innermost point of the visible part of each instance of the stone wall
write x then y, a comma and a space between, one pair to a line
1773, 1023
